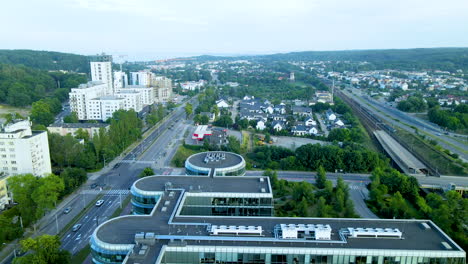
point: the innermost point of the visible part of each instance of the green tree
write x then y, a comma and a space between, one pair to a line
73, 178
148, 171
320, 178
41, 113
188, 109
45, 250
224, 121
204, 119
47, 193
71, 118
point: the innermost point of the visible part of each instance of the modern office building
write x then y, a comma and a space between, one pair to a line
215, 163
101, 70
22, 151
202, 219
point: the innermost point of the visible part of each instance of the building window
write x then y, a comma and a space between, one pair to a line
14, 168
13, 162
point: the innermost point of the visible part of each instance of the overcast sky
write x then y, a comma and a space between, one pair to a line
190, 27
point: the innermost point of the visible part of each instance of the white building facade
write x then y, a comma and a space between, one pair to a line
23, 150
80, 98
102, 71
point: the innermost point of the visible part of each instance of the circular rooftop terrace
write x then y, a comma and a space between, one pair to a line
215, 163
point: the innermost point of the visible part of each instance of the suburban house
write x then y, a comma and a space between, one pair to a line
313, 130
211, 116
278, 125
302, 110
339, 123
281, 109
330, 115
222, 103
277, 117
260, 125
300, 130
310, 122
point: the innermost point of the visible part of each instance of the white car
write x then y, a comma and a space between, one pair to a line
99, 202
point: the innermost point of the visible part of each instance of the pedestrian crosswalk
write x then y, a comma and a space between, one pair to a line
137, 161
106, 192
355, 187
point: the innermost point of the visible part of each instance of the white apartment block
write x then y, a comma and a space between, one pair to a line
163, 88
23, 150
103, 107
132, 100
81, 96
141, 78
102, 71
147, 94
120, 80
163, 94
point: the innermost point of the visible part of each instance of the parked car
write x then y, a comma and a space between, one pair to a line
99, 202
76, 227
67, 210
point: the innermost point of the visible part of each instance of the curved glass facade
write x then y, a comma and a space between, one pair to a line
104, 253
194, 170
143, 202
234, 170
328, 256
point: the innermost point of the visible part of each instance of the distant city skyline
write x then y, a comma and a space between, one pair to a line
145, 29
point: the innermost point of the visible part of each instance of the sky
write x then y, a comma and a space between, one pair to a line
159, 29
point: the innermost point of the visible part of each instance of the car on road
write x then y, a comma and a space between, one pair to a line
116, 165
99, 202
76, 227
67, 210
94, 185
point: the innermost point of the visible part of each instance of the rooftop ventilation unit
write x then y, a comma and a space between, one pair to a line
425, 226
262, 190
446, 246
262, 179
375, 232
305, 231
236, 230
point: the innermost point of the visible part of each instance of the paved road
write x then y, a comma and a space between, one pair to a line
158, 147
364, 178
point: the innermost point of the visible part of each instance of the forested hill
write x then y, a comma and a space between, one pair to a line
449, 59
46, 60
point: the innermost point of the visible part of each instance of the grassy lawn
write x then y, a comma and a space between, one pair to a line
81, 256
8, 109
183, 152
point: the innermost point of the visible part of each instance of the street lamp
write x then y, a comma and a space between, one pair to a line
14, 248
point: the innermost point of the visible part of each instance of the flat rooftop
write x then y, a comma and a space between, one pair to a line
199, 184
167, 225
229, 160
80, 125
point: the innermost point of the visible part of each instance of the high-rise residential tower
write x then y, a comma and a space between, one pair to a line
101, 70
